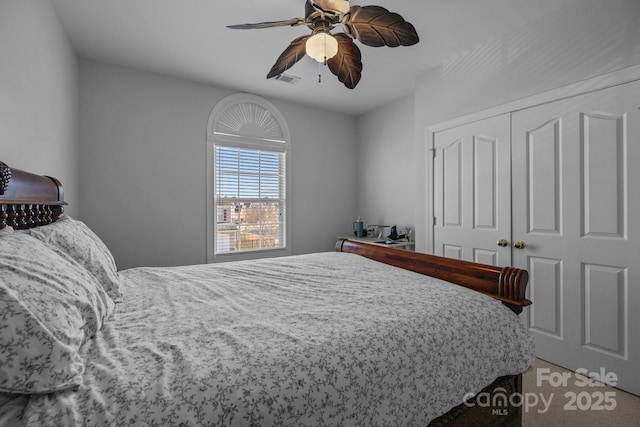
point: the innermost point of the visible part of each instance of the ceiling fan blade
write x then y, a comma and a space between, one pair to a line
347, 64
291, 55
376, 26
290, 22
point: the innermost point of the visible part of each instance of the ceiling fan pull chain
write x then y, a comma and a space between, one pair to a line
325, 62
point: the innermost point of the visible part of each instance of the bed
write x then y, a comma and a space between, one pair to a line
362, 336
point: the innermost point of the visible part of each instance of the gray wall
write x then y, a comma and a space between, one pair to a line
38, 94
143, 166
386, 167
584, 39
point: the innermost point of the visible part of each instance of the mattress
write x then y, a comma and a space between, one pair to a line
319, 339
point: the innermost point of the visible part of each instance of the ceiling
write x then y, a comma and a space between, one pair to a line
188, 39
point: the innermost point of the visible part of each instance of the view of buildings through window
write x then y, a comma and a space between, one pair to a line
250, 199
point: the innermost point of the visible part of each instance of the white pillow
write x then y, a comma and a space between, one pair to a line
72, 238
49, 306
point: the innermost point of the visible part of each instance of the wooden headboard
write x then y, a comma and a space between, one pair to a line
28, 200
506, 284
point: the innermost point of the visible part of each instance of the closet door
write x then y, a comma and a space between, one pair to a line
576, 209
472, 192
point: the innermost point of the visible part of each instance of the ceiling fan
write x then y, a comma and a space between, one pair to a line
371, 25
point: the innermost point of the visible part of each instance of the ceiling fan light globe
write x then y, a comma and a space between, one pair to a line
322, 46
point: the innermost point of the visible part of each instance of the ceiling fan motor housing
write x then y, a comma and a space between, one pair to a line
331, 8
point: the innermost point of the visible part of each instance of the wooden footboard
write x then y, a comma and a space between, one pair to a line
506, 284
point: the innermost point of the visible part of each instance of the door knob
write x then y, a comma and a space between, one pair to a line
519, 244
502, 243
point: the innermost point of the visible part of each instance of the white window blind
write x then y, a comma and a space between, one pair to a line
250, 198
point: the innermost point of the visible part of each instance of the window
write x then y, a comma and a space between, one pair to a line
247, 179
250, 198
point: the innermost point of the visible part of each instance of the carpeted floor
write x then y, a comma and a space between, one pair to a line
579, 402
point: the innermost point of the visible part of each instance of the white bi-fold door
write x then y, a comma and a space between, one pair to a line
574, 220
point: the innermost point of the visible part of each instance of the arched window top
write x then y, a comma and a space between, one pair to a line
249, 117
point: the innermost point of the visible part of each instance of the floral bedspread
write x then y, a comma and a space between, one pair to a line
310, 340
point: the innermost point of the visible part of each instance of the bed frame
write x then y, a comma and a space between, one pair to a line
28, 200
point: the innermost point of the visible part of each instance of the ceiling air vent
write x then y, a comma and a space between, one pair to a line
287, 78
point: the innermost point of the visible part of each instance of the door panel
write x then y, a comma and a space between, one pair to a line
544, 177
484, 183
484, 256
452, 183
451, 251
472, 195
546, 318
575, 205
604, 306
604, 177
